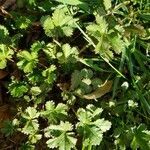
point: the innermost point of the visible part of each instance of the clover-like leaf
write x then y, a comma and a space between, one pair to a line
75, 79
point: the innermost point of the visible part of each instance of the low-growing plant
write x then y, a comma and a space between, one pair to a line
74, 74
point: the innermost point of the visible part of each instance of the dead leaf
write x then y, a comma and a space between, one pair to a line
102, 90
8, 3
4, 114
3, 74
4, 13
64, 86
36, 24
2, 2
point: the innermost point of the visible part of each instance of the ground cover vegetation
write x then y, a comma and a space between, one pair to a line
75, 74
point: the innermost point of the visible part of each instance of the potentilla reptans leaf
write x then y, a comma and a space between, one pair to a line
59, 25
31, 123
5, 54
18, 89
30, 113
90, 126
27, 61
68, 54
141, 137
107, 4
54, 113
62, 136
49, 74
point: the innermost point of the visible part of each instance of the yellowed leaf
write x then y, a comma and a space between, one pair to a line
102, 90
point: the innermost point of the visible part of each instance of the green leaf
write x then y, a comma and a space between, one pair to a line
35, 47
75, 79
30, 113
61, 135
35, 90
86, 73
100, 32
145, 16
8, 128
59, 25
33, 138
69, 97
108, 41
35, 77
81, 81
50, 51
68, 54
117, 43
31, 127
54, 113
28, 61
103, 48
96, 82
50, 74
22, 22
98, 29
3, 64
27, 146
90, 63
90, 127
17, 89
103, 124
141, 138
107, 4
5, 54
